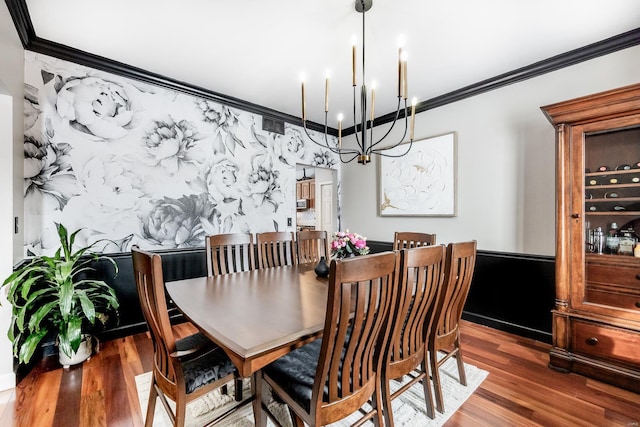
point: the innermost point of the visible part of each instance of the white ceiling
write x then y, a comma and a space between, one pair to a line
256, 50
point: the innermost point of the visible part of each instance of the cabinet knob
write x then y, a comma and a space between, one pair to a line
592, 341
637, 276
575, 215
638, 304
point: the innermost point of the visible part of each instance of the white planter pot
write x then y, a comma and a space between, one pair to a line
85, 351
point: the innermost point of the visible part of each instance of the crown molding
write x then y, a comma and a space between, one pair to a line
594, 50
70, 54
30, 41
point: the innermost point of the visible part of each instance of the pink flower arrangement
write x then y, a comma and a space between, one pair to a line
345, 244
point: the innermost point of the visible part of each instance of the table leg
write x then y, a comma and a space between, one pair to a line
257, 391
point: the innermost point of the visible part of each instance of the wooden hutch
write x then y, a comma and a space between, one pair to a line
596, 321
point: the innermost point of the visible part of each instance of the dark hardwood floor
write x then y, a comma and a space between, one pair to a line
519, 391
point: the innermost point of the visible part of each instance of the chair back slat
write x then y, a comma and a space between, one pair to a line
148, 274
312, 244
362, 296
408, 240
229, 253
460, 264
421, 277
276, 249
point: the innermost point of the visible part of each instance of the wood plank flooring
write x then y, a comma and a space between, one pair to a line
519, 391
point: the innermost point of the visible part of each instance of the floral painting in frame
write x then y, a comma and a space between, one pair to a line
422, 182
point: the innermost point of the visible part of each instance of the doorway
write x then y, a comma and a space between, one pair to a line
321, 212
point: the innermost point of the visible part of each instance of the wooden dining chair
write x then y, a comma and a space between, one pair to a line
421, 277
229, 253
408, 240
185, 369
312, 245
226, 254
330, 378
276, 249
444, 334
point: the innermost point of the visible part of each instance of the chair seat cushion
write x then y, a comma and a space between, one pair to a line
207, 368
194, 341
295, 372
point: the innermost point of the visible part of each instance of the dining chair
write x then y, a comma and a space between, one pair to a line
408, 240
226, 254
184, 369
229, 253
444, 334
276, 249
312, 245
420, 278
330, 378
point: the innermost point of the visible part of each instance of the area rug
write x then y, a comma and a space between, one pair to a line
408, 408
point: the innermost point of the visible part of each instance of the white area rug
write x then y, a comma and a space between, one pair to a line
408, 409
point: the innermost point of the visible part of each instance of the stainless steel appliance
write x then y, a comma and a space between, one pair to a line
302, 204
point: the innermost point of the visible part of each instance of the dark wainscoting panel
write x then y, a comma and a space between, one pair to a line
514, 293
176, 265
511, 292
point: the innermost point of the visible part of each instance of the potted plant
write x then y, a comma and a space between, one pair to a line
54, 296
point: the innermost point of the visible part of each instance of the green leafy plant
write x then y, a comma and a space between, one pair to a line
54, 295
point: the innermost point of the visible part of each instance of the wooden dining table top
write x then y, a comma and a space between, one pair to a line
256, 316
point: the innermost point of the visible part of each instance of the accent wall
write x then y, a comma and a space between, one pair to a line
135, 164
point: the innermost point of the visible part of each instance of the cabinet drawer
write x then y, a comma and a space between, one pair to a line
612, 298
628, 277
606, 342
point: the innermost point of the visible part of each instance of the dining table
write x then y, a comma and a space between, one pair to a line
255, 316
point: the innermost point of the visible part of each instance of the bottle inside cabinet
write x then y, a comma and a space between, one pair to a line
612, 216
612, 191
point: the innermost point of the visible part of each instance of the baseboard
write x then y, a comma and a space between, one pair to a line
511, 328
7, 381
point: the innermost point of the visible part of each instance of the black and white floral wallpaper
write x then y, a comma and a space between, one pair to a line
131, 163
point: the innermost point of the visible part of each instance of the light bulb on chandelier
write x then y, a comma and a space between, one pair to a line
365, 145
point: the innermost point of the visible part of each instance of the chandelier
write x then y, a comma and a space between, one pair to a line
365, 142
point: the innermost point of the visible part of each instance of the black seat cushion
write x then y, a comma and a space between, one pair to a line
295, 372
206, 369
194, 341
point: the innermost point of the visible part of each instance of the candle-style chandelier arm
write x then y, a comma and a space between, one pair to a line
312, 139
372, 148
380, 152
324, 144
350, 159
336, 150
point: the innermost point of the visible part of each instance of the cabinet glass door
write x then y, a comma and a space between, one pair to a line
612, 218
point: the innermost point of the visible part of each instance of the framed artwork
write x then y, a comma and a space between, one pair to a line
422, 182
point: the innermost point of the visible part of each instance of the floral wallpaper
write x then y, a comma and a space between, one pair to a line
131, 163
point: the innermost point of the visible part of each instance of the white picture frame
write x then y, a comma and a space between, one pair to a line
422, 182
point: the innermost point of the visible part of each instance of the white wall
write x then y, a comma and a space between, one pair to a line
11, 142
505, 162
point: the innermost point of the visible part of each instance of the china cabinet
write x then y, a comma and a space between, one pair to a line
596, 320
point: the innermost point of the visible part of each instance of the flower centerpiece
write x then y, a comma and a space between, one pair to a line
345, 244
